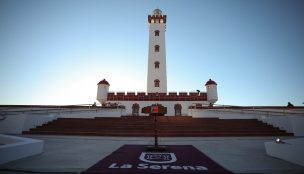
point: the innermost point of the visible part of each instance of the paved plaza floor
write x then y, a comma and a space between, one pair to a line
74, 154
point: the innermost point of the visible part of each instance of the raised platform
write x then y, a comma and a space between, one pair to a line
74, 154
13, 148
290, 150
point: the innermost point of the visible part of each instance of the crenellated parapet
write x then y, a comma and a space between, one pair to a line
171, 96
157, 19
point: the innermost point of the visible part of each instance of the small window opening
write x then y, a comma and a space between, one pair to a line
156, 65
156, 83
156, 48
156, 32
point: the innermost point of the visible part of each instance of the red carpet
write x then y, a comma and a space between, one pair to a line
176, 159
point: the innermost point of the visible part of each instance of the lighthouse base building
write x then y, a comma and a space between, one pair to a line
175, 103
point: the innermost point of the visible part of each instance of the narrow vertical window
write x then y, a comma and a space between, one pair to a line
156, 32
156, 65
156, 83
156, 48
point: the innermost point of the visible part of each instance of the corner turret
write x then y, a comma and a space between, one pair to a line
211, 88
102, 91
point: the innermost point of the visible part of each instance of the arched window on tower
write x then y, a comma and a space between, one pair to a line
156, 83
156, 48
156, 65
156, 32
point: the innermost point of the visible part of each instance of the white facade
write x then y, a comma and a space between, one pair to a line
157, 53
168, 104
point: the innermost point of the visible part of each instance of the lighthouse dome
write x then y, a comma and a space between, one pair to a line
157, 12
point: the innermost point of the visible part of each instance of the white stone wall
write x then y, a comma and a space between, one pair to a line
222, 114
290, 122
282, 122
32, 121
16, 124
12, 124
297, 124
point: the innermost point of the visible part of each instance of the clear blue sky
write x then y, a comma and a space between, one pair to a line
56, 51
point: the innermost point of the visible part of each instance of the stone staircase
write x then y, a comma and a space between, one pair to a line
168, 126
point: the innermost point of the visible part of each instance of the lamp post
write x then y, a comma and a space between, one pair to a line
155, 110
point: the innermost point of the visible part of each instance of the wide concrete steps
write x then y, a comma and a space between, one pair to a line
169, 126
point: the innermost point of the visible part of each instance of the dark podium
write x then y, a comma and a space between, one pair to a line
155, 110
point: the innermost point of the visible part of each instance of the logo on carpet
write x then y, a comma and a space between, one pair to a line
154, 157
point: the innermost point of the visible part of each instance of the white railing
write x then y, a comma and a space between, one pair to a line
256, 110
259, 112
45, 110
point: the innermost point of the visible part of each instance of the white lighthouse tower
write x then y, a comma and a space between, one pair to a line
157, 75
